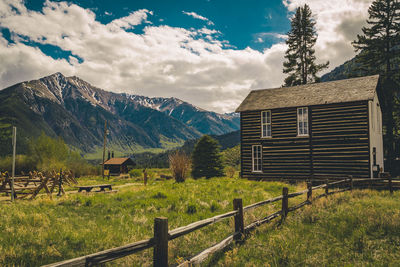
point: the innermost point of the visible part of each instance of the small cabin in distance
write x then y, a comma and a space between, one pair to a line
118, 166
330, 129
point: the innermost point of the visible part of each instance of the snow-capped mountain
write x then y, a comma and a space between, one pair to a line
75, 110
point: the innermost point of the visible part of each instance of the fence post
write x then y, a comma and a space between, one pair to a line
327, 187
351, 182
285, 203
390, 184
160, 252
309, 193
239, 221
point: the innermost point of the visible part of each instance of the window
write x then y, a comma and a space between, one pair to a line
302, 121
266, 123
256, 158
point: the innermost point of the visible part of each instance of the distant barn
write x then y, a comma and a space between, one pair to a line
118, 166
314, 130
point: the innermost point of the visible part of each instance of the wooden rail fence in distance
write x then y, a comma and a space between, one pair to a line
162, 236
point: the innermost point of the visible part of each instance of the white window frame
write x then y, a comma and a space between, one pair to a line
301, 120
268, 125
256, 162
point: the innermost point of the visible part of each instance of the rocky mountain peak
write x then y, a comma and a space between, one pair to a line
75, 110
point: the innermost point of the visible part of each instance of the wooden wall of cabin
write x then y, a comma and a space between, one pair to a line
284, 155
340, 139
337, 145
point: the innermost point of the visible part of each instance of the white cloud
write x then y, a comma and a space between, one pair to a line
197, 16
261, 36
194, 65
134, 18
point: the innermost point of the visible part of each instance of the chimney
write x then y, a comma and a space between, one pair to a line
112, 155
108, 155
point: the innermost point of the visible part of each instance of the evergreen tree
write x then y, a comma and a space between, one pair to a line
206, 159
300, 56
379, 48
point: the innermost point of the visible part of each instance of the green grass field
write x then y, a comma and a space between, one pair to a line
44, 231
348, 229
360, 228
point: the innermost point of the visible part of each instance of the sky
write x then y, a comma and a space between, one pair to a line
210, 53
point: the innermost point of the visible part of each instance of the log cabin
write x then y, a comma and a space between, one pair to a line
118, 166
311, 131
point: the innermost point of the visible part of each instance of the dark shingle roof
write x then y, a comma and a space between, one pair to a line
116, 161
349, 90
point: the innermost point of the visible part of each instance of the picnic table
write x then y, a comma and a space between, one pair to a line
89, 188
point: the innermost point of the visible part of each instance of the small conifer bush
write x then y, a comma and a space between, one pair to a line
207, 159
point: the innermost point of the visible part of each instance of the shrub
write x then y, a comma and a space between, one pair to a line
206, 159
80, 166
230, 171
179, 164
135, 173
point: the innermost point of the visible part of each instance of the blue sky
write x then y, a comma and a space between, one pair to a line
207, 52
243, 23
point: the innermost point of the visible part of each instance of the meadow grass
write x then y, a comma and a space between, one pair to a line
43, 231
123, 179
361, 228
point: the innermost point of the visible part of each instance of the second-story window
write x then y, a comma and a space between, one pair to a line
266, 123
302, 121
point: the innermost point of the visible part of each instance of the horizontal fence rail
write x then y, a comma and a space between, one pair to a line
199, 224
261, 203
162, 236
107, 255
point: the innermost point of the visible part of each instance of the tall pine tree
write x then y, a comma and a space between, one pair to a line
379, 48
300, 56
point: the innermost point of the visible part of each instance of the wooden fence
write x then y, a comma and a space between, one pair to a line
30, 185
162, 236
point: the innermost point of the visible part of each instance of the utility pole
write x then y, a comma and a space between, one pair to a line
14, 143
104, 148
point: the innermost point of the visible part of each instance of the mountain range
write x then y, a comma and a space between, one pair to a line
73, 109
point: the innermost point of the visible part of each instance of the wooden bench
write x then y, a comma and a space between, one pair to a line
89, 188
